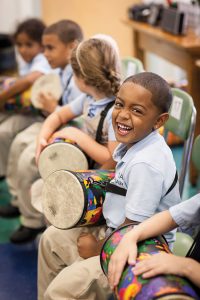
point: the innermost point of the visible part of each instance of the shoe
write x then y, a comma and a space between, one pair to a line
25, 234
9, 211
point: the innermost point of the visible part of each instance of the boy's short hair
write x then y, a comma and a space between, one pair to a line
157, 86
33, 27
67, 31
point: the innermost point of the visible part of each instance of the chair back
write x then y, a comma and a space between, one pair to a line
196, 153
181, 122
131, 66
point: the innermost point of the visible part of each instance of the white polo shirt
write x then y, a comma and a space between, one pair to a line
39, 63
187, 213
70, 90
147, 171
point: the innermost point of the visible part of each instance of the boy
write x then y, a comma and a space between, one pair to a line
185, 214
68, 261
59, 40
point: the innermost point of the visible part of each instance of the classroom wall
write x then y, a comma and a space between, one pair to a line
102, 16
14, 11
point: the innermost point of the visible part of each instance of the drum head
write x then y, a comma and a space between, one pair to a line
49, 83
62, 199
59, 156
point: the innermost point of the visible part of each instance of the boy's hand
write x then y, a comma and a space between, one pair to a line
125, 252
48, 102
42, 143
87, 245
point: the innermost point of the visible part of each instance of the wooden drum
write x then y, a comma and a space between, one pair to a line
166, 287
73, 199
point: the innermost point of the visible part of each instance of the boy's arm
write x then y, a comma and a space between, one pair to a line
93, 149
19, 86
110, 164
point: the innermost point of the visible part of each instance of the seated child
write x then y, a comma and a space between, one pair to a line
185, 214
28, 40
145, 168
91, 105
59, 39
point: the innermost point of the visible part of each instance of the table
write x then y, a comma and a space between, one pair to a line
183, 51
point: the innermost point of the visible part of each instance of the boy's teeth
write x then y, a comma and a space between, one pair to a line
124, 127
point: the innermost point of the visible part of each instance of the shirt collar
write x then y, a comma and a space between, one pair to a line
122, 153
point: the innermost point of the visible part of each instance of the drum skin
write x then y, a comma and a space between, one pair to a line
61, 154
168, 287
73, 199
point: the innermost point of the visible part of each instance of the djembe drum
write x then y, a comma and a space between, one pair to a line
168, 287
61, 154
21, 101
29, 100
71, 199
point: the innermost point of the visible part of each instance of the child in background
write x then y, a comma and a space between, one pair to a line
28, 40
185, 214
59, 40
96, 72
145, 168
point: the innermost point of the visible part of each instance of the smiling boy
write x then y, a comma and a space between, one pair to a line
145, 168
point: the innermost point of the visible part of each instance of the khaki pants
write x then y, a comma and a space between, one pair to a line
9, 128
22, 172
62, 273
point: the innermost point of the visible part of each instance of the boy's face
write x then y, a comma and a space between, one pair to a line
57, 53
134, 114
26, 47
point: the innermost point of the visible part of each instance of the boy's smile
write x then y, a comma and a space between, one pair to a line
134, 115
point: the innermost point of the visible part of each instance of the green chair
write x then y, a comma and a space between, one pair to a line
182, 244
130, 66
181, 122
196, 153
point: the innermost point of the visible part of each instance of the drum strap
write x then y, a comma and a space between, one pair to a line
194, 251
112, 188
60, 102
101, 121
100, 128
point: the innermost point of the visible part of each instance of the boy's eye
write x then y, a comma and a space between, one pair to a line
136, 110
118, 104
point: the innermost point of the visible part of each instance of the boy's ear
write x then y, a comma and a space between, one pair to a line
162, 119
73, 44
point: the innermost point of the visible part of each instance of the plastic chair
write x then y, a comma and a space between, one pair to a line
130, 66
195, 153
182, 244
182, 122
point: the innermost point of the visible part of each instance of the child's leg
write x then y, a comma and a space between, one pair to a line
8, 130
36, 194
21, 141
27, 174
4, 116
82, 280
58, 249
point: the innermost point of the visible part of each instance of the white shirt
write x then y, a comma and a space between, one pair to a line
39, 63
147, 171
